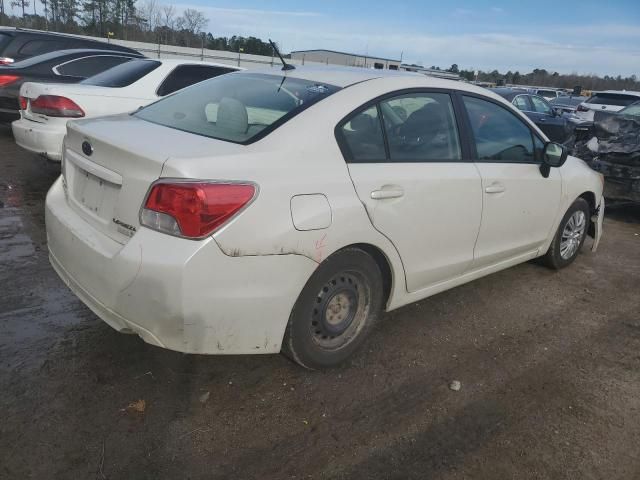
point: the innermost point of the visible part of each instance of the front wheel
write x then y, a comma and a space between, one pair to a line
335, 311
570, 236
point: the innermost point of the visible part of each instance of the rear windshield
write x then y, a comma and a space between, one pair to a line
572, 101
123, 75
237, 107
617, 99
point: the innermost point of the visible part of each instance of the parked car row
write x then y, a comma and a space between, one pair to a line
46, 107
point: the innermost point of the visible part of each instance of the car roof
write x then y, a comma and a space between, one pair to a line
11, 30
619, 92
182, 61
76, 51
509, 93
333, 75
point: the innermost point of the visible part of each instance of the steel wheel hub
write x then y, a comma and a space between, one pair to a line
337, 311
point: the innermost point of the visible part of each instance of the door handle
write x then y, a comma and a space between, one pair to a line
387, 193
542, 119
495, 188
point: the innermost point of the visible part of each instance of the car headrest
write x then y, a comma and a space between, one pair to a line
232, 116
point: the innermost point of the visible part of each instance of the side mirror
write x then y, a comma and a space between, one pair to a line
554, 155
557, 112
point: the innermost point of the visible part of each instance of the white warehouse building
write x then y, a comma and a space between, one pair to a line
331, 57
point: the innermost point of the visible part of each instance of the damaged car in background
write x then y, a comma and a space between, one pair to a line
612, 148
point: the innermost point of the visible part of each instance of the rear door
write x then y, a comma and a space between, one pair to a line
519, 204
408, 166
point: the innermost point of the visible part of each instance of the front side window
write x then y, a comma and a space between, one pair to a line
500, 136
89, 66
239, 107
540, 106
421, 127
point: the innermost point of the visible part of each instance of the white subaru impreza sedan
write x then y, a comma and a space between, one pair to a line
261, 212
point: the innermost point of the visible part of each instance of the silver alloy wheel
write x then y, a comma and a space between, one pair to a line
572, 234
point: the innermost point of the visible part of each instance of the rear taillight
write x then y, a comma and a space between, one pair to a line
23, 103
55, 106
194, 209
6, 80
6, 61
582, 108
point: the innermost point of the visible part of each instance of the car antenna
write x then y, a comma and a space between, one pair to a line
285, 65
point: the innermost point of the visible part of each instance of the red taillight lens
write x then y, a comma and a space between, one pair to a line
194, 209
6, 80
23, 103
582, 108
55, 106
6, 61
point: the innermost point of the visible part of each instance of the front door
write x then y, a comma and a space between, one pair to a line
520, 205
554, 126
405, 159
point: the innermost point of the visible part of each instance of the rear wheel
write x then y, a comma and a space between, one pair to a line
570, 236
335, 311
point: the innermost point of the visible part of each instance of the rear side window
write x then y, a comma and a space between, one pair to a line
123, 75
617, 99
89, 66
187, 75
363, 137
240, 107
500, 136
420, 128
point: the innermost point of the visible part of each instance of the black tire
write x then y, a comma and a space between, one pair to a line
335, 311
555, 257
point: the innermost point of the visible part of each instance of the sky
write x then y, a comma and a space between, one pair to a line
600, 37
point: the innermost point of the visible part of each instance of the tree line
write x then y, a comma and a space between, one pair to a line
150, 21
143, 21
543, 78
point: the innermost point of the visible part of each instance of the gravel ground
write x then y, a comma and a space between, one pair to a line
549, 366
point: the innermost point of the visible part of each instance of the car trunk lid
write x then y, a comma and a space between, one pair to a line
110, 162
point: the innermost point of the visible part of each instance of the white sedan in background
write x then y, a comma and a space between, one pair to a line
266, 211
46, 107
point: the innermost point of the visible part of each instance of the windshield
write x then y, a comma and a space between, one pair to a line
237, 107
616, 99
547, 93
570, 101
123, 75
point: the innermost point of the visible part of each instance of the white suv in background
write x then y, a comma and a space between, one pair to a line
608, 100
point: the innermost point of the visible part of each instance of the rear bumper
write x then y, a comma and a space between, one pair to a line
178, 294
39, 138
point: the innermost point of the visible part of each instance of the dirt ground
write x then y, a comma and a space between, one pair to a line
549, 364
